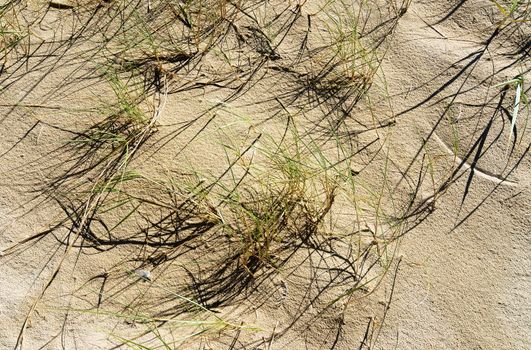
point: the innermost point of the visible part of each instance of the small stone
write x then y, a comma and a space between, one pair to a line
143, 274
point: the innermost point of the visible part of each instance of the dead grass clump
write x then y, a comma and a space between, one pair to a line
285, 203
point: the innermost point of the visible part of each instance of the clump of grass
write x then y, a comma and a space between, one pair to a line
160, 38
290, 196
124, 128
127, 103
348, 60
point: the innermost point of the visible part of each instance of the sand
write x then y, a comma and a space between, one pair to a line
459, 278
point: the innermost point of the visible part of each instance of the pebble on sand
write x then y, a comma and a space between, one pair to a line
143, 274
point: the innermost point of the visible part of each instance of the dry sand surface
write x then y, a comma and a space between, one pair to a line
216, 174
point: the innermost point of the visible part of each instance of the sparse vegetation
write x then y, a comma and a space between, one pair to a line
305, 184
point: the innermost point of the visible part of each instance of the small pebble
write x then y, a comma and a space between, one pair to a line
143, 274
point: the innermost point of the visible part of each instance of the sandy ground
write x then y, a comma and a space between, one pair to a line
463, 280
